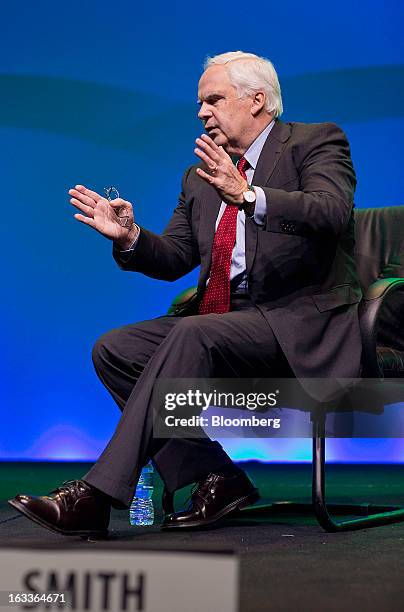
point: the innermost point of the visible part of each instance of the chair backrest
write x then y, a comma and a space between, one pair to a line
379, 236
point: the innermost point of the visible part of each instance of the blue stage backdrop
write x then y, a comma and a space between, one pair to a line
105, 94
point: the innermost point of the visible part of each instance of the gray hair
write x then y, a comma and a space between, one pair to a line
249, 73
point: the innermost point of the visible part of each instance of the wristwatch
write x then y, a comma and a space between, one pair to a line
249, 198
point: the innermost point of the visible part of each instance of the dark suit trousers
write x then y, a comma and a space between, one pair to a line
128, 360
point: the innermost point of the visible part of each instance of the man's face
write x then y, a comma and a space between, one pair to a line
226, 117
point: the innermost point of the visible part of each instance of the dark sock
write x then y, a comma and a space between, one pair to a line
114, 502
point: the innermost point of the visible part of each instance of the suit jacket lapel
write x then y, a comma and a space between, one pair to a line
210, 206
270, 155
271, 152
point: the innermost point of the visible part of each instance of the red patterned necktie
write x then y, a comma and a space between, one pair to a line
216, 298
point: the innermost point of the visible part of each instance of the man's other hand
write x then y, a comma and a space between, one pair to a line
112, 218
221, 172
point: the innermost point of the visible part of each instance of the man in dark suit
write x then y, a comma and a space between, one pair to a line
274, 237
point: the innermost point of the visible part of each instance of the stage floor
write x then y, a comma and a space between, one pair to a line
287, 563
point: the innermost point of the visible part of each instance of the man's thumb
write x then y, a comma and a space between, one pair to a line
117, 203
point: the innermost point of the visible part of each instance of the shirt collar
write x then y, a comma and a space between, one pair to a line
254, 150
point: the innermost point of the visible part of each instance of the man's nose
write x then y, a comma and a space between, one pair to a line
204, 111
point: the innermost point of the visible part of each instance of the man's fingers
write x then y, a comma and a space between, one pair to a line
212, 153
207, 177
118, 202
88, 192
205, 158
220, 152
87, 210
207, 139
85, 220
78, 195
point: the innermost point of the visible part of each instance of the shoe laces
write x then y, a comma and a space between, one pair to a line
70, 490
200, 490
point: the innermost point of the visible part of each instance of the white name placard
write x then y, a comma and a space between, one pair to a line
112, 580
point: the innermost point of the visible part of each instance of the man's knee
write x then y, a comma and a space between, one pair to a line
102, 350
125, 346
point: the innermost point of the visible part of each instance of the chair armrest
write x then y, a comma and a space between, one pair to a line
382, 288
369, 312
183, 301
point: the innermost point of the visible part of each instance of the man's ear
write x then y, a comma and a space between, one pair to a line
258, 103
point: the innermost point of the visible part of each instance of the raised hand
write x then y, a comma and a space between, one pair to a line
221, 172
112, 218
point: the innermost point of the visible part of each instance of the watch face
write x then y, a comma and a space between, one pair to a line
249, 196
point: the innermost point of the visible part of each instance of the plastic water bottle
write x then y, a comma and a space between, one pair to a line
141, 510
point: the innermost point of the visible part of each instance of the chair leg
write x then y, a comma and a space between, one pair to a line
384, 514
372, 515
167, 502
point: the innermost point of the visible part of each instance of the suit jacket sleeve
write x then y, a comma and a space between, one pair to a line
170, 255
319, 197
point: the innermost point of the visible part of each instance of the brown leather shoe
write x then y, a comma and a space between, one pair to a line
75, 508
213, 498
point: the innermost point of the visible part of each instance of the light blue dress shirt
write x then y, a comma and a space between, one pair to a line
238, 276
